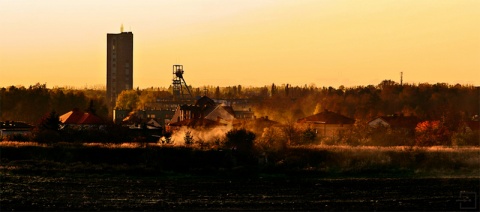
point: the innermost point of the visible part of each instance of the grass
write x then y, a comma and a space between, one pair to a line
20, 144
428, 161
318, 160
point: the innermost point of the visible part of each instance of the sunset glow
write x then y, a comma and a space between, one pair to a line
321, 42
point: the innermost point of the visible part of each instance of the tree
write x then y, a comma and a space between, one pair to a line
239, 88
273, 91
217, 92
47, 129
431, 133
50, 122
188, 138
291, 133
240, 139
308, 136
271, 139
127, 100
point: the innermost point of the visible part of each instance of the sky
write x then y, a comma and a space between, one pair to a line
243, 42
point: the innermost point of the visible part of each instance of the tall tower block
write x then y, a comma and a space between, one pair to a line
119, 64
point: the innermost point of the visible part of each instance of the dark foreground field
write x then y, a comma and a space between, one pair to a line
66, 177
103, 192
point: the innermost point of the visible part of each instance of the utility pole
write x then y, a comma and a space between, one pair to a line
401, 78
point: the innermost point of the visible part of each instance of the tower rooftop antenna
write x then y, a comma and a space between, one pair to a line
121, 28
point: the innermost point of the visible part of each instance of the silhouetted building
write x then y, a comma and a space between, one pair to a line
395, 121
77, 118
14, 127
119, 64
328, 123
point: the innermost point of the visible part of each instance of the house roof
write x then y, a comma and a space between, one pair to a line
396, 121
204, 101
220, 113
77, 117
153, 123
327, 117
229, 109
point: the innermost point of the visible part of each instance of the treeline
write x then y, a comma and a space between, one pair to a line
447, 103
450, 104
285, 103
32, 103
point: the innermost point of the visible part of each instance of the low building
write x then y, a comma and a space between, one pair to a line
78, 119
327, 123
160, 116
395, 122
473, 124
14, 127
204, 113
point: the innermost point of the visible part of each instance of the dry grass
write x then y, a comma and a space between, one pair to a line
20, 144
393, 148
433, 161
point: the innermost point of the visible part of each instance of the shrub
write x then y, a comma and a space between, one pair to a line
16, 137
271, 140
188, 138
47, 136
240, 139
470, 138
432, 133
308, 136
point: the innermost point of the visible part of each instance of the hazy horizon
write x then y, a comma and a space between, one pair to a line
248, 43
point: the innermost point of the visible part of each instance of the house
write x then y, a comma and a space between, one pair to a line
257, 125
244, 114
204, 113
395, 122
327, 123
13, 127
78, 119
161, 116
473, 124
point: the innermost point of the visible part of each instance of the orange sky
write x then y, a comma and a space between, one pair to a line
247, 42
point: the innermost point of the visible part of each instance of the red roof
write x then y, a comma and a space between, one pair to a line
77, 117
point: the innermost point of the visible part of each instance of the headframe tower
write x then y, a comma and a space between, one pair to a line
180, 87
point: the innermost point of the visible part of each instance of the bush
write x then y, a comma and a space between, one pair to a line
308, 136
432, 133
382, 136
188, 138
240, 139
16, 137
47, 136
471, 138
271, 140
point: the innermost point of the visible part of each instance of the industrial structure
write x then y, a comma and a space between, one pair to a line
182, 109
119, 64
181, 91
